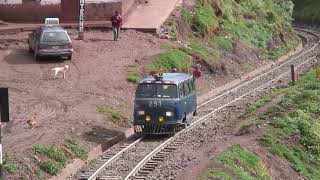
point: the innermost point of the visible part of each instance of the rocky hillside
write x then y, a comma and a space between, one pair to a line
228, 37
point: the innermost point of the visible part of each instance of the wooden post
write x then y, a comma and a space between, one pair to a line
293, 78
318, 71
318, 67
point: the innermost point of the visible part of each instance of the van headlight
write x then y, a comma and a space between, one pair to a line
169, 113
140, 113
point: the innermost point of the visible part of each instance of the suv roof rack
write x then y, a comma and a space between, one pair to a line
51, 21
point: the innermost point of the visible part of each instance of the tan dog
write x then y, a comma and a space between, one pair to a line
32, 122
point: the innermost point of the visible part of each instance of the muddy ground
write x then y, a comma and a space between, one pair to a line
96, 76
63, 107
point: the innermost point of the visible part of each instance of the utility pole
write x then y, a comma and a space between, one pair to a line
81, 19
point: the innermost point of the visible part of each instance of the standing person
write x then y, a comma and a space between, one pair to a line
197, 72
116, 21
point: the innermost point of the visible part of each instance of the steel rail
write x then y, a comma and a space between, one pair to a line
98, 171
160, 147
247, 82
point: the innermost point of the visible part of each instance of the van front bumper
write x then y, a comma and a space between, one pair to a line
156, 128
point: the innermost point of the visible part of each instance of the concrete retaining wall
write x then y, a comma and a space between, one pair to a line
67, 10
28, 12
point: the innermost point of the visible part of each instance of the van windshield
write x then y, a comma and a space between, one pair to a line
157, 91
55, 37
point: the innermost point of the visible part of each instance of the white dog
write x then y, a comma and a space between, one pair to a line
58, 69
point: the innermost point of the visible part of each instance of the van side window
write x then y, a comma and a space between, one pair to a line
193, 84
181, 90
186, 88
190, 86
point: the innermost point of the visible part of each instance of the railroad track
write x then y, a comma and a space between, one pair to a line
137, 158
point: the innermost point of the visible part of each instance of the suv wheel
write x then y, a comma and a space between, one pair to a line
69, 57
30, 49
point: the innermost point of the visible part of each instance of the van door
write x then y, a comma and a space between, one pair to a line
182, 103
188, 95
193, 102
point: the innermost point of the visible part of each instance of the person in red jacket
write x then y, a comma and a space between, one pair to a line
197, 72
116, 21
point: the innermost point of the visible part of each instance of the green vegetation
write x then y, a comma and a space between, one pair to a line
54, 158
133, 76
204, 19
307, 10
109, 112
173, 27
264, 25
165, 46
50, 166
57, 158
255, 22
208, 54
212, 174
223, 42
247, 67
295, 135
10, 164
75, 149
243, 163
39, 175
173, 58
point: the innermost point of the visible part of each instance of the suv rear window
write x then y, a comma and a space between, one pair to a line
55, 37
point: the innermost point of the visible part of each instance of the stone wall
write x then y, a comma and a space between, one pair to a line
101, 11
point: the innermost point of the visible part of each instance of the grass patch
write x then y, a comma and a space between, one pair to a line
243, 163
206, 53
51, 167
109, 112
76, 149
55, 161
133, 76
166, 46
252, 108
247, 67
10, 164
213, 174
256, 23
51, 152
295, 135
39, 175
170, 59
54, 158
223, 43
173, 31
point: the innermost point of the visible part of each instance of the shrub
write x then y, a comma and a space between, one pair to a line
109, 113
50, 166
133, 76
173, 58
